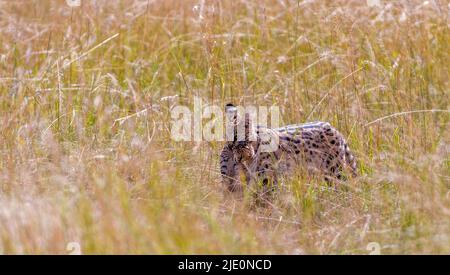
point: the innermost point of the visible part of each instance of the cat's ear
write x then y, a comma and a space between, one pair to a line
240, 123
230, 108
250, 127
231, 113
231, 122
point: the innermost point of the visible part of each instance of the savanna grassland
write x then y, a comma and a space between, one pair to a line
86, 153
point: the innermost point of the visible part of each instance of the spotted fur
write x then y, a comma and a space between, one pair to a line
316, 146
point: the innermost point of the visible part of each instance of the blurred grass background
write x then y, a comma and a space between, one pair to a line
85, 149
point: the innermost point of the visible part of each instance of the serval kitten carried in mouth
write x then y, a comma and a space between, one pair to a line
265, 154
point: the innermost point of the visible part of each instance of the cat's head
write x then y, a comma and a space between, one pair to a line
240, 131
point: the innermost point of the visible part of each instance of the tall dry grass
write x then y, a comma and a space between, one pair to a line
85, 148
